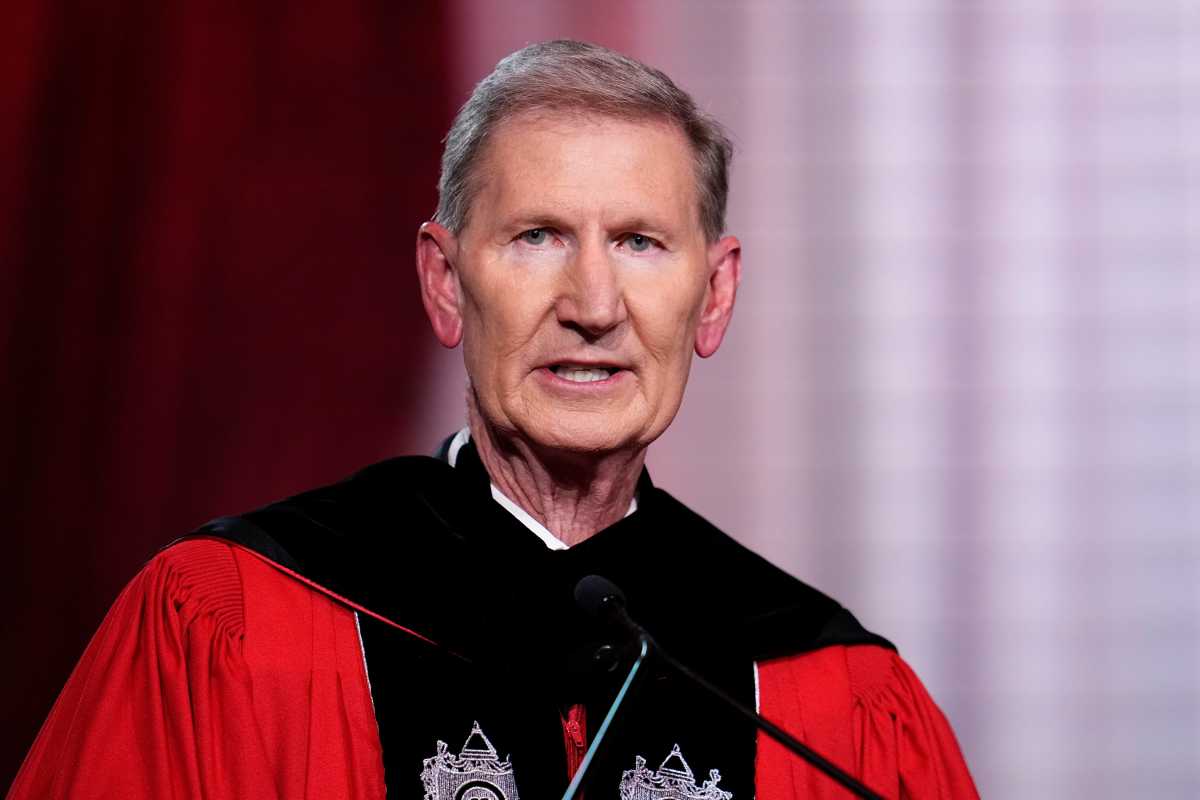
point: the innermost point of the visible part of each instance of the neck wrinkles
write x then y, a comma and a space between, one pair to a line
573, 496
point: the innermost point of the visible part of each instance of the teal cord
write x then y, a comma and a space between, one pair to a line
608, 718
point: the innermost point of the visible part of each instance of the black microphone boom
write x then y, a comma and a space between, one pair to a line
601, 598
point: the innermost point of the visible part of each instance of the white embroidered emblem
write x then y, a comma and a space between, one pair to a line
672, 781
476, 773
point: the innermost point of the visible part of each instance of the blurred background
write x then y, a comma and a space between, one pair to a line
961, 392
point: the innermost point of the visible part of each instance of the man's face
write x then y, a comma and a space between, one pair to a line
583, 275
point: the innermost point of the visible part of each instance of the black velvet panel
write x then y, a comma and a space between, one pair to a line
424, 545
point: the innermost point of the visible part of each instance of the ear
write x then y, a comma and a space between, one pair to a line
437, 248
724, 275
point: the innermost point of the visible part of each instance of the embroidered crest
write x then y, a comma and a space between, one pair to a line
476, 773
673, 780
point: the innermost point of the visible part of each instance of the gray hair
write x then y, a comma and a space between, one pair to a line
574, 76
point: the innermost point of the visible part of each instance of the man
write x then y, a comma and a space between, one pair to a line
413, 627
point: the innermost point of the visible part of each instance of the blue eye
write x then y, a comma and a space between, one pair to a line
535, 236
639, 243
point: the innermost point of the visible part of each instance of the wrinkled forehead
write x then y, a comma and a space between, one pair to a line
584, 162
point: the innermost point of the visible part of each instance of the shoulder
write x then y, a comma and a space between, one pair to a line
843, 675
196, 578
830, 680
231, 588
222, 578
862, 673
863, 705
882, 676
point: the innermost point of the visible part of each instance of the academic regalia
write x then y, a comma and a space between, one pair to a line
402, 626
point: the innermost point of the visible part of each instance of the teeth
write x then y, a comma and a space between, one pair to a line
581, 375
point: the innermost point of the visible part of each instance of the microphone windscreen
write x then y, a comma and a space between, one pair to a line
596, 595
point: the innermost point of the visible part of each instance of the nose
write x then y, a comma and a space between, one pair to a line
591, 299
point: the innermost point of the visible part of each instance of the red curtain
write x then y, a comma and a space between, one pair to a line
207, 213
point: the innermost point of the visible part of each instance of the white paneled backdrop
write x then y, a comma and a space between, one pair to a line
962, 390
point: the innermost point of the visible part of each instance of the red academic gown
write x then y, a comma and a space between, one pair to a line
217, 675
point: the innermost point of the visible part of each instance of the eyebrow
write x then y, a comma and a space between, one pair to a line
534, 218
638, 224
540, 218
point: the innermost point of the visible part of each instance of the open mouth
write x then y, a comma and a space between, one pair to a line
581, 374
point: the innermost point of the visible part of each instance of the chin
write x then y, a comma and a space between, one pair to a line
584, 438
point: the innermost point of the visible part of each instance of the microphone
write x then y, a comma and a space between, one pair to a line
601, 599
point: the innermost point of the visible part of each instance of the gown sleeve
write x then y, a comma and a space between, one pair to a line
160, 703
865, 709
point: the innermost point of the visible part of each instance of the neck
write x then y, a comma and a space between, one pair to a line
573, 495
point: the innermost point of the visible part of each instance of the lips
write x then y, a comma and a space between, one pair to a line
583, 373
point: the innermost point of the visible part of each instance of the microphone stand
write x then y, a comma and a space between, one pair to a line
777, 733
603, 599
602, 731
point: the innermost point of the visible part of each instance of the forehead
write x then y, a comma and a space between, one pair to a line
588, 165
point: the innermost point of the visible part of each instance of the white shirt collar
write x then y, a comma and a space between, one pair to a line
541, 531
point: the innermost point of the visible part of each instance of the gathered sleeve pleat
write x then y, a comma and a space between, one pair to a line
900, 734
169, 699
865, 709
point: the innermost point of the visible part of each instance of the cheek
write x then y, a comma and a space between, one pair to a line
500, 318
669, 312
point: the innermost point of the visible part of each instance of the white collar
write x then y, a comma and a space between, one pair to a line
541, 531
